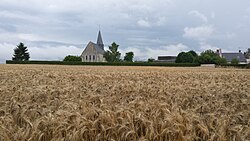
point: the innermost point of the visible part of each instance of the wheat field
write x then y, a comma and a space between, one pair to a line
80, 103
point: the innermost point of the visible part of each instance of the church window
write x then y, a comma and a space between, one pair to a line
93, 57
90, 57
86, 57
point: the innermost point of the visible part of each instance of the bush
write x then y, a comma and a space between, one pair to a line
150, 60
72, 58
235, 61
243, 66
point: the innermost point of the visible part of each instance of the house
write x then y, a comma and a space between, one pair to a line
248, 61
94, 51
167, 59
233, 55
247, 55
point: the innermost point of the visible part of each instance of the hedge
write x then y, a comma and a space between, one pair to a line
123, 64
247, 66
105, 63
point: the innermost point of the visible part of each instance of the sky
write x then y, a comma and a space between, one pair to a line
52, 29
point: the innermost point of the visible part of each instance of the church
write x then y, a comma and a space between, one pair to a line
94, 51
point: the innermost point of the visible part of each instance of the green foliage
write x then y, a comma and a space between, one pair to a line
106, 63
205, 59
21, 53
112, 55
210, 53
193, 53
150, 60
243, 66
218, 60
179, 57
235, 61
210, 57
72, 58
129, 57
185, 57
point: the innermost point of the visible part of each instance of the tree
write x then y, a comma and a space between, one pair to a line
205, 59
129, 57
218, 60
21, 53
185, 57
193, 53
235, 61
112, 55
210, 57
150, 60
210, 52
72, 58
179, 57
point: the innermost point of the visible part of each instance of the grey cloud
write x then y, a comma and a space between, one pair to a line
143, 25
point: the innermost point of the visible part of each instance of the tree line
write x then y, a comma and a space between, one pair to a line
113, 55
206, 57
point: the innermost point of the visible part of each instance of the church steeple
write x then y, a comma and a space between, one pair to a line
99, 40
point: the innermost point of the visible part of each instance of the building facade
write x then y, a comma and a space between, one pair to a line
94, 51
166, 59
233, 55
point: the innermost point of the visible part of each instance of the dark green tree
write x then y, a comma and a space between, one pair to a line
150, 60
235, 61
205, 59
72, 58
179, 57
21, 53
185, 57
129, 57
193, 53
112, 55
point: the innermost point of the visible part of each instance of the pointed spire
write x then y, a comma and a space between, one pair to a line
99, 40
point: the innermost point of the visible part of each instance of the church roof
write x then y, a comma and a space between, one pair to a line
98, 48
91, 46
99, 39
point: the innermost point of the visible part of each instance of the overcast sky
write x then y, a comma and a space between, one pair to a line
53, 29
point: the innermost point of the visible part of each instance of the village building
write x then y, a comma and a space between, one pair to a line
166, 59
233, 55
94, 51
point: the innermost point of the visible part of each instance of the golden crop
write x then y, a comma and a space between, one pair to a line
74, 103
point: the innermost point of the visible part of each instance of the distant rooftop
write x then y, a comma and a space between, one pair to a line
166, 58
230, 56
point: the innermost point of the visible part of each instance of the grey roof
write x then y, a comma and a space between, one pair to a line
98, 48
230, 56
166, 58
99, 39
